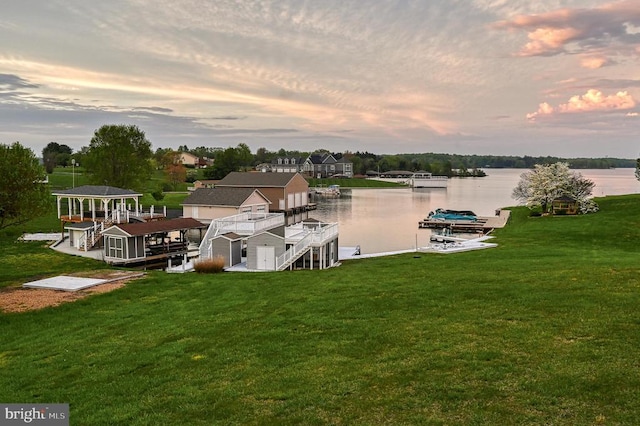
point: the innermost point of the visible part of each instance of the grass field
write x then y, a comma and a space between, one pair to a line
543, 329
354, 183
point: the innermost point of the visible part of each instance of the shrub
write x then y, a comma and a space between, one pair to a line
192, 176
157, 195
209, 266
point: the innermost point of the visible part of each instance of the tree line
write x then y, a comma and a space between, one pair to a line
122, 156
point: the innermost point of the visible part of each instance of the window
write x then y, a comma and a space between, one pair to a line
114, 246
286, 161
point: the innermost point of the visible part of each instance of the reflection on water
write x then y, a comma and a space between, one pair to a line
387, 219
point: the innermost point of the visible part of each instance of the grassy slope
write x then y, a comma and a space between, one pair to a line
543, 329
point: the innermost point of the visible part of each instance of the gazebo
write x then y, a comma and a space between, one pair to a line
96, 204
564, 205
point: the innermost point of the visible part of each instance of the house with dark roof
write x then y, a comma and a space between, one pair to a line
287, 165
145, 242
206, 204
287, 192
324, 165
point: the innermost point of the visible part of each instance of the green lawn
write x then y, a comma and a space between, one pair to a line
354, 183
543, 329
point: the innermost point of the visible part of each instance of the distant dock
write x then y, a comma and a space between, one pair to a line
482, 225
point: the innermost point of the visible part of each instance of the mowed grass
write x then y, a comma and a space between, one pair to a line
544, 329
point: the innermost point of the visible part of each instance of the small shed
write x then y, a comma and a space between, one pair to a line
81, 233
564, 205
263, 249
229, 246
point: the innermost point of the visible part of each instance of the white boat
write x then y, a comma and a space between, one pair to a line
328, 191
427, 180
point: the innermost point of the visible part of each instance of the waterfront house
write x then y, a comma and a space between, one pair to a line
324, 165
206, 204
287, 192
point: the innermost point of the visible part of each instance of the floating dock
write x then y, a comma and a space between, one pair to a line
482, 224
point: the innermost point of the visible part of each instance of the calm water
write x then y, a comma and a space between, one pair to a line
381, 220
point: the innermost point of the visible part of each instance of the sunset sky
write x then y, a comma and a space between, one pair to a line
501, 77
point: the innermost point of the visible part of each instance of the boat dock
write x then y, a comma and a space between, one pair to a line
482, 224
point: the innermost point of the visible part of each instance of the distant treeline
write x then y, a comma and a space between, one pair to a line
452, 164
364, 163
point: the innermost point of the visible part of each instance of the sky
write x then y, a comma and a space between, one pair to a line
487, 77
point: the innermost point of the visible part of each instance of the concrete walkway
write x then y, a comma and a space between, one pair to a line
63, 245
348, 253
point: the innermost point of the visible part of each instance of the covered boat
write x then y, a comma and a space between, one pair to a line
450, 215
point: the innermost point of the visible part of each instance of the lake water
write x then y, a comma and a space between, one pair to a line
380, 220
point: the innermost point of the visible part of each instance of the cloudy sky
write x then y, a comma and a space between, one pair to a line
512, 77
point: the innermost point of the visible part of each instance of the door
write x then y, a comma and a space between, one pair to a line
266, 258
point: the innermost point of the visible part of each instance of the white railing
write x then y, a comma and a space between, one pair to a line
312, 237
325, 233
241, 224
294, 252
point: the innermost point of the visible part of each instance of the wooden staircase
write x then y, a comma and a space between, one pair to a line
93, 237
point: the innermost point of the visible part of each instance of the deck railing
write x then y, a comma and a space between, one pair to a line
311, 238
294, 252
241, 224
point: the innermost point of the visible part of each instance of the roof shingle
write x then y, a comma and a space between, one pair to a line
98, 191
225, 196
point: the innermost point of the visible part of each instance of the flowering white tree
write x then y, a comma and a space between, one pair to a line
543, 184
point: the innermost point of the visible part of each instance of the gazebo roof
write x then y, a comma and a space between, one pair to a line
98, 191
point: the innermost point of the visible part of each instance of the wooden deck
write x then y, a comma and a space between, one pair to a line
483, 224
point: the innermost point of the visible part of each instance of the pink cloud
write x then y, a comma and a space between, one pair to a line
594, 62
579, 30
593, 100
